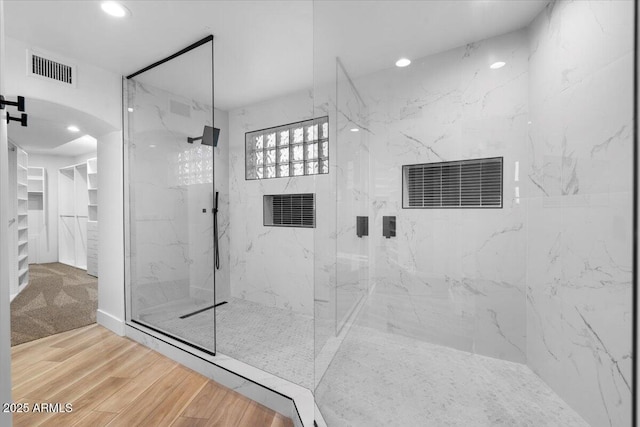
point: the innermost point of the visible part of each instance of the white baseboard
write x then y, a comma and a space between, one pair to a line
110, 322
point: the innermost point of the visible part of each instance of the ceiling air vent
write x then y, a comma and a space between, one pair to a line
179, 108
473, 183
48, 68
290, 210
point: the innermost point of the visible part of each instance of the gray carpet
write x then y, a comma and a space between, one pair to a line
58, 298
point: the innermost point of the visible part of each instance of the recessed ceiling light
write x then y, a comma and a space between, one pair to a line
152, 145
497, 65
130, 110
403, 62
114, 9
73, 128
354, 130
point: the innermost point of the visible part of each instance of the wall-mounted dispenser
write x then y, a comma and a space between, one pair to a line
362, 226
389, 226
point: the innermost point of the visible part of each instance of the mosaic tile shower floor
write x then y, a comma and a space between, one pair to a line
383, 379
376, 378
274, 340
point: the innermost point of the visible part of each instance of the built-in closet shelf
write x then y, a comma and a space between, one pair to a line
78, 204
18, 209
92, 223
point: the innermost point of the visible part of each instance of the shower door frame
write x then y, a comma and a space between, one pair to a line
129, 321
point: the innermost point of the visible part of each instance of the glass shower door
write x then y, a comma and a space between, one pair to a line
352, 187
169, 189
344, 233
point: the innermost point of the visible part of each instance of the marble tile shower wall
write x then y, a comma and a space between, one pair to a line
579, 213
294, 268
451, 276
269, 265
170, 182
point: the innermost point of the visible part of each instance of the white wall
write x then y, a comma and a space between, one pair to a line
579, 213
97, 91
82, 158
110, 233
5, 318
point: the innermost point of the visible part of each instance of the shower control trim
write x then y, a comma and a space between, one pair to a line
389, 226
362, 226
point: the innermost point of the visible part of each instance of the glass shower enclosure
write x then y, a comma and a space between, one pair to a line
170, 196
470, 259
494, 286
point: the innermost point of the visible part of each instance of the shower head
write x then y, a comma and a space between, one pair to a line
209, 136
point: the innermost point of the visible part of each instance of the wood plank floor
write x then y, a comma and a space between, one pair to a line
113, 381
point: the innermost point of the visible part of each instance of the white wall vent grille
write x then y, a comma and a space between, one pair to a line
48, 68
290, 210
473, 183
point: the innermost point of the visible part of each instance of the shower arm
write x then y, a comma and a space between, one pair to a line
192, 140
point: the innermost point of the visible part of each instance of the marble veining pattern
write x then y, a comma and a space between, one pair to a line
579, 210
272, 266
170, 183
451, 277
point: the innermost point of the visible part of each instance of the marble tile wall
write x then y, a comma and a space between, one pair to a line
451, 276
269, 265
544, 281
170, 184
579, 206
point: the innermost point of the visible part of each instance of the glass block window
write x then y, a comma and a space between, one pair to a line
296, 149
192, 166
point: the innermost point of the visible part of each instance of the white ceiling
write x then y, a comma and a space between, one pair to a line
47, 129
264, 49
